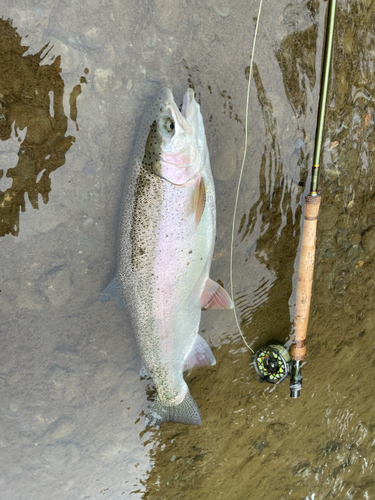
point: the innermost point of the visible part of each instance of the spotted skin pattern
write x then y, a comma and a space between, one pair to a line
164, 258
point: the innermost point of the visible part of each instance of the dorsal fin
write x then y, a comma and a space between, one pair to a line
215, 297
113, 292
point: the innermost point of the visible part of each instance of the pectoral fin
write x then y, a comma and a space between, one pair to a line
215, 297
199, 200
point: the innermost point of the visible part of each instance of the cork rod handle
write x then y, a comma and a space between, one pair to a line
305, 277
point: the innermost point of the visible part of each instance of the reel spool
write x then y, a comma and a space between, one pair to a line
272, 363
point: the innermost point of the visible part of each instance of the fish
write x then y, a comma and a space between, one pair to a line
166, 242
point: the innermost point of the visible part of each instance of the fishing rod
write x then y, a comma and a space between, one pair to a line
273, 362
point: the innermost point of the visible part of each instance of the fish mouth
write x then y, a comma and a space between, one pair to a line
167, 103
188, 103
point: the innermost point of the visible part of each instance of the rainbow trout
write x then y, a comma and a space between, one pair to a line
166, 242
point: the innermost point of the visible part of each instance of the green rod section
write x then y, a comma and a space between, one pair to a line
323, 96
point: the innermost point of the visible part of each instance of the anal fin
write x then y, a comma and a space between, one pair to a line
200, 355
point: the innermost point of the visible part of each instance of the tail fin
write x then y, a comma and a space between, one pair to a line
187, 412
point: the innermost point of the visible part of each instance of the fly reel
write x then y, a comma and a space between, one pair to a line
272, 363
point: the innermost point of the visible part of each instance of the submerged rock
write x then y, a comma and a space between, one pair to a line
57, 285
368, 239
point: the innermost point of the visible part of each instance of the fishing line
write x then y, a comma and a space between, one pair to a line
240, 178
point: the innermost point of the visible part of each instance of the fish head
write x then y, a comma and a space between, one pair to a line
176, 147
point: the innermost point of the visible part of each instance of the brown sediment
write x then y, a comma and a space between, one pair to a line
26, 83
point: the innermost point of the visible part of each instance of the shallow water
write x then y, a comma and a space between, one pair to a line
72, 402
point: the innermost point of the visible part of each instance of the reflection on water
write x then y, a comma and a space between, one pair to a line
296, 57
72, 399
272, 224
33, 125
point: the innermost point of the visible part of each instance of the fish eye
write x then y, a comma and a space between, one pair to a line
168, 125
